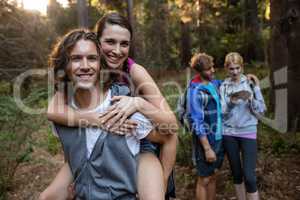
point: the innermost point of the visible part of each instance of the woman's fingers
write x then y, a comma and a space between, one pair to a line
126, 128
116, 98
108, 115
129, 125
114, 119
123, 119
108, 110
131, 122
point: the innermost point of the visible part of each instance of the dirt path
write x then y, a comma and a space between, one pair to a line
278, 178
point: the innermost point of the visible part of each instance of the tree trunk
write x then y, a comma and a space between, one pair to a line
185, 44
157, 44
253, 31
277, 57
82, 12
290, 25
131, 21
200, 14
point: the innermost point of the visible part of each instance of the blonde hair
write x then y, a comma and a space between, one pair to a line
200, 60
233, 58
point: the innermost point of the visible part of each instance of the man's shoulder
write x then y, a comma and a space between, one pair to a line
217, 82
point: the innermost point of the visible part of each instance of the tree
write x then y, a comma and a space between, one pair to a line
185, 44
284, 52
24, 41
131, 21
82, 14
253, 31
185, 23
157, 42
290, 26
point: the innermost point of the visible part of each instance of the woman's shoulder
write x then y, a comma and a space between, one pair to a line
137, 70
226, 81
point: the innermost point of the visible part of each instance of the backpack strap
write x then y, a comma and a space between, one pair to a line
120, 89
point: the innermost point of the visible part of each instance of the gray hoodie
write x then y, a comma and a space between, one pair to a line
240, 117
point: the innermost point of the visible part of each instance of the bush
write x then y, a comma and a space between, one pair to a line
53, 144
15, 131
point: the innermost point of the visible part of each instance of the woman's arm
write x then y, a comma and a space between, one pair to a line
61, 113
153, 104
150, 103
257, 103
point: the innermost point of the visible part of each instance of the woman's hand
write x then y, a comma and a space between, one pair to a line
234, 100
253, 78
98, 120
126, 127
122, 108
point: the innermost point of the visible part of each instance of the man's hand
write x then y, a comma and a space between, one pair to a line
210, 155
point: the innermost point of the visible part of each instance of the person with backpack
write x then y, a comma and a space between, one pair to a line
204, 116
241, 101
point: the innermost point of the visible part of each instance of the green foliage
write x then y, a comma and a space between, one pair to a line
278, 144
15, 135
184, 150
5, 88
53, 144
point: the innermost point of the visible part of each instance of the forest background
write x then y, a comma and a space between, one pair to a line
166, 34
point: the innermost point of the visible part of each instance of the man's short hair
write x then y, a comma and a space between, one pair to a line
201, 61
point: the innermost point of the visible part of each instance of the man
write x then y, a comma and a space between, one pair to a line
204, 116
103, 165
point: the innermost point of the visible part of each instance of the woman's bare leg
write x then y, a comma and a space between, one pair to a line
58, 189
150, 182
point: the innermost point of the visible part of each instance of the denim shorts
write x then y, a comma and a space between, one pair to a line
203, 167
147, 146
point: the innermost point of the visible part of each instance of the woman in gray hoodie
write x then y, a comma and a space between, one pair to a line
241, 101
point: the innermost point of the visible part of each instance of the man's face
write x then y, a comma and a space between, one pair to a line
83, 67
208, 73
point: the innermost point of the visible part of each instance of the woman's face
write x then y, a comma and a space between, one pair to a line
115, 43
234, 71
